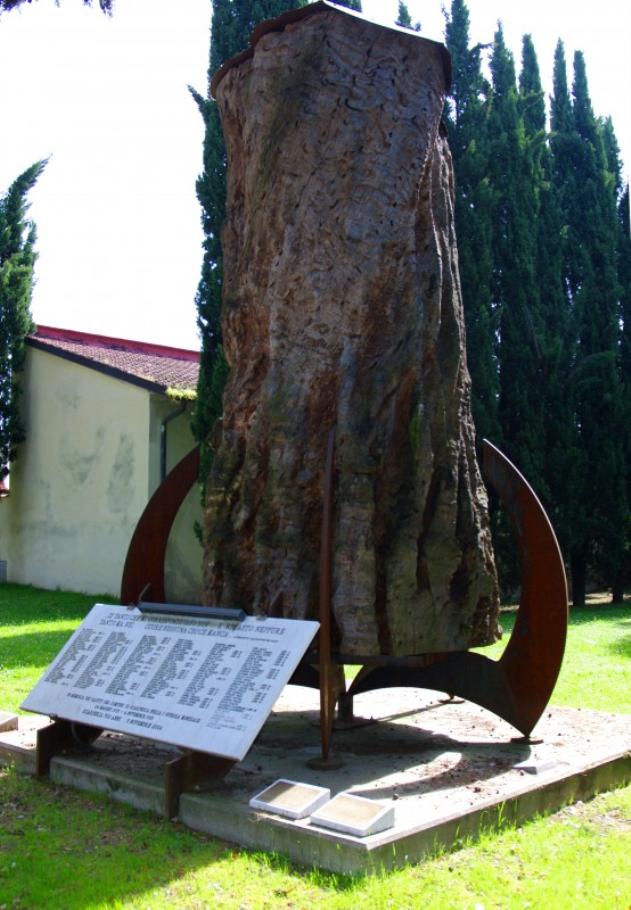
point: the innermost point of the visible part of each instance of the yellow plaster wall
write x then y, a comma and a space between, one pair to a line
83, 477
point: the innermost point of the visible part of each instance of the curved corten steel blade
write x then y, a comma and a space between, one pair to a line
518, 686
144, 564
532, 658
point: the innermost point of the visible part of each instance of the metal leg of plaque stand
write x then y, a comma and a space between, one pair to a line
331, 676
191, 768
180, 774
59, 736
188, 771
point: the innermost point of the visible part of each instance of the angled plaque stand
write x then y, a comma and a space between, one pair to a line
201, 679
188, 771
180, 774
59, 736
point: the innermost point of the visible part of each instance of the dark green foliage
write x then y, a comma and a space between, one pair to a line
545, 264
531, 98
404, 19
511, 168
595, 495
622, 577
232, 23
17, 258
467, 125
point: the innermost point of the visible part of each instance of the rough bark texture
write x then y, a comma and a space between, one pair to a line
342, 308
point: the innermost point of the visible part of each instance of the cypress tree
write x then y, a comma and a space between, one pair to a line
232, 23
404, 20
623, 577
513, 173
600, 531
554, 337
568, 469
531, 99
466, 117
595, 507
17, 259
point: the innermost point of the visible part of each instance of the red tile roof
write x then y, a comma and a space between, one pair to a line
152, 366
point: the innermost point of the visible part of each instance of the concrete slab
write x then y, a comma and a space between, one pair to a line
17, 745
8, 721
449, 770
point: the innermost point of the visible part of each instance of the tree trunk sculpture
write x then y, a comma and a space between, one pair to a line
342, 308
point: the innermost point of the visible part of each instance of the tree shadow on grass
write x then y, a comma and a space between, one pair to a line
31, 649
622, 646
60, 848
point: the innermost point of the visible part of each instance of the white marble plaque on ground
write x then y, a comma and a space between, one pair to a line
206, 684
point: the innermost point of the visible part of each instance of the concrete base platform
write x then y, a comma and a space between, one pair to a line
450, 770
8, 721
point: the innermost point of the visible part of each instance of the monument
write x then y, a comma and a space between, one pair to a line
342, 311
345, 486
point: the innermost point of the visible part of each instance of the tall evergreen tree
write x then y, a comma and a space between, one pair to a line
17, 259
514, 172
623, 577
404, 20
567, 468
467, 127
531, 99
595, 510
232, 23
554, 337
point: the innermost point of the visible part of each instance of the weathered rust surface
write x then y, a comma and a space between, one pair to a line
518, 686
143, 572
342, 308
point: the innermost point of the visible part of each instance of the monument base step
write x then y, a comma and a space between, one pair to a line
450, 770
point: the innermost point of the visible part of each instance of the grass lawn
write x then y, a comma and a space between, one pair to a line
64, 850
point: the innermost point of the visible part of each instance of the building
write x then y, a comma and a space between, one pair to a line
105, 420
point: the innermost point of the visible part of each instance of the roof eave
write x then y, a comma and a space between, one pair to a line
106, 369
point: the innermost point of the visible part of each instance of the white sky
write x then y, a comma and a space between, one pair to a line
118, 223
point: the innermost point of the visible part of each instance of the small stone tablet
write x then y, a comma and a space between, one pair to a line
357, 815
291, 799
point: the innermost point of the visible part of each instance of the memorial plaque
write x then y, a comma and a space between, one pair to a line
291, 799
205, 684
356, 815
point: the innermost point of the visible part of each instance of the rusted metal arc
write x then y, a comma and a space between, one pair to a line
517, 687
532, 658
144, 564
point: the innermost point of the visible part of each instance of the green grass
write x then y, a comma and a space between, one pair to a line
596, 671
69, 851
65, 850
34, 624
